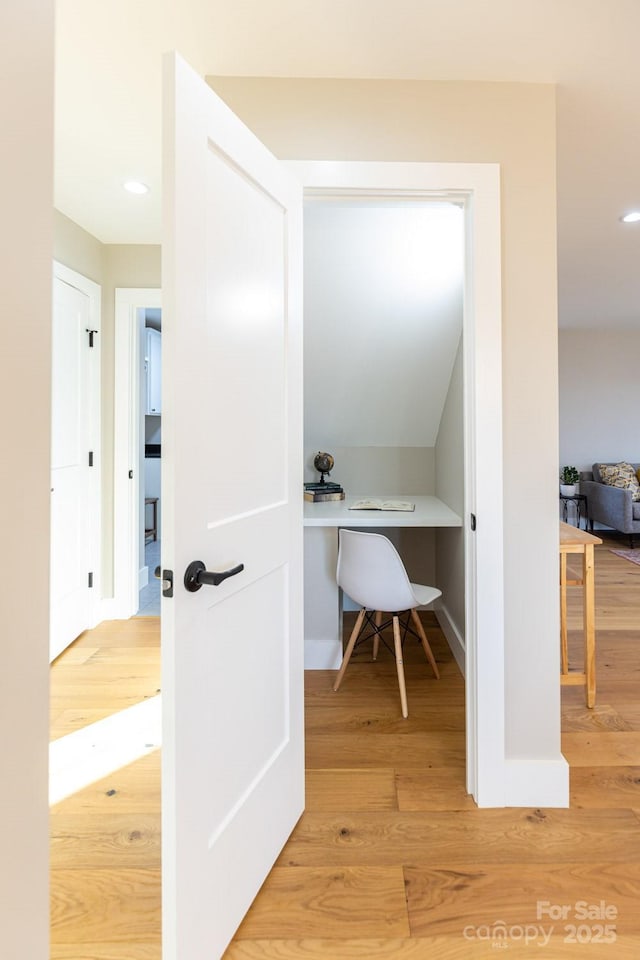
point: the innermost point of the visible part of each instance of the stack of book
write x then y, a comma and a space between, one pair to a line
321, 492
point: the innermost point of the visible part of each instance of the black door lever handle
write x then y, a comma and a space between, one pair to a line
196, 575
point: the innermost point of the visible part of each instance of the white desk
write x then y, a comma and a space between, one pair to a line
429, 512
323, 602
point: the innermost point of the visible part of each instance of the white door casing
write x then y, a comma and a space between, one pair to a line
75, 458
233, 764
128, 482
477, 188
494, 778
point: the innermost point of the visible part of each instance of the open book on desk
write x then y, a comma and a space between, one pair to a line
373, 503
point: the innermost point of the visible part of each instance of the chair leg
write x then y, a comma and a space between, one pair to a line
351, 644
425, 643
376, 637
397, 643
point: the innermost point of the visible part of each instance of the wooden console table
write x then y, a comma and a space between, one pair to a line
573, 540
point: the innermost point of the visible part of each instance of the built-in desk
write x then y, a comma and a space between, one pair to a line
323, 601
429, 512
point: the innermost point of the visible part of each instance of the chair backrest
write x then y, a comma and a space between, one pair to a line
371, 572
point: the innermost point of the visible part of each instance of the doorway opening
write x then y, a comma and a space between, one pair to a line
137, 452
383, 308
475, 188
150, 372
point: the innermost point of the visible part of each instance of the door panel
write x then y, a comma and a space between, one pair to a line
232, 479
258, 746
70, 480
243, 373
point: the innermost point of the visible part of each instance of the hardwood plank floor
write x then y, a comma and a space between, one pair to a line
105, 839
353, 901
391, 858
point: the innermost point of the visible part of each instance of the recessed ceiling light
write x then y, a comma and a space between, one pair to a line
135, 186
632, 217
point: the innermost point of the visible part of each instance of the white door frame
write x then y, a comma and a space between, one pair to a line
126, 453
491, 778
92, 407
477, 188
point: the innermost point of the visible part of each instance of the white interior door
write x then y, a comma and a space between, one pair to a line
73, 462
231, 477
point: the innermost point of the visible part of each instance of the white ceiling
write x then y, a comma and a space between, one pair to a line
108, 102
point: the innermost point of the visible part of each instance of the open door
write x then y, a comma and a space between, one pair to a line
233, 764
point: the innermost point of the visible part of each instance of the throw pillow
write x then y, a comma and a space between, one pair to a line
620, 475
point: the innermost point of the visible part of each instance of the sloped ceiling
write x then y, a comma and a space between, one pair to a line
383, 318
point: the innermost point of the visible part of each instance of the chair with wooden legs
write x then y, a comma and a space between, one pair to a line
371, 572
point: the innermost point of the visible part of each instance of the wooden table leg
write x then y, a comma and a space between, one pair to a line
589, 624
564, 655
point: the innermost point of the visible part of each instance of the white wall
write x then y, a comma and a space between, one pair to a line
450, 571
77, 249
110, 265
599, 382
379, 470
26, 251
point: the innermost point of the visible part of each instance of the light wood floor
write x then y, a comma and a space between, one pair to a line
391, 859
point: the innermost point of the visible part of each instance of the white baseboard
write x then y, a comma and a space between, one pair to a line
109, 609
452, 636
143, 577
537, 783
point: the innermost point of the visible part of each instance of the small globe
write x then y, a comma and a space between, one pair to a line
323, 462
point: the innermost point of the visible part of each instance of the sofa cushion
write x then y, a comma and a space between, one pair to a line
620, 475
635, 511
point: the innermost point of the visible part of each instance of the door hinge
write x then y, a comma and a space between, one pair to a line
90, 458
90, 579
91, 333
472, 521
130, 474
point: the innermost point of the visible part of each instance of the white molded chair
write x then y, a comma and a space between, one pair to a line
371, 572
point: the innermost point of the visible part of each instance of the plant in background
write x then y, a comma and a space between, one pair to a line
569, 476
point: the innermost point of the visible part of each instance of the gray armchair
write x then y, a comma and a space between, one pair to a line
612, 506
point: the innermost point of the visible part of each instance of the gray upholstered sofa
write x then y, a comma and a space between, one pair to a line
611, 506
